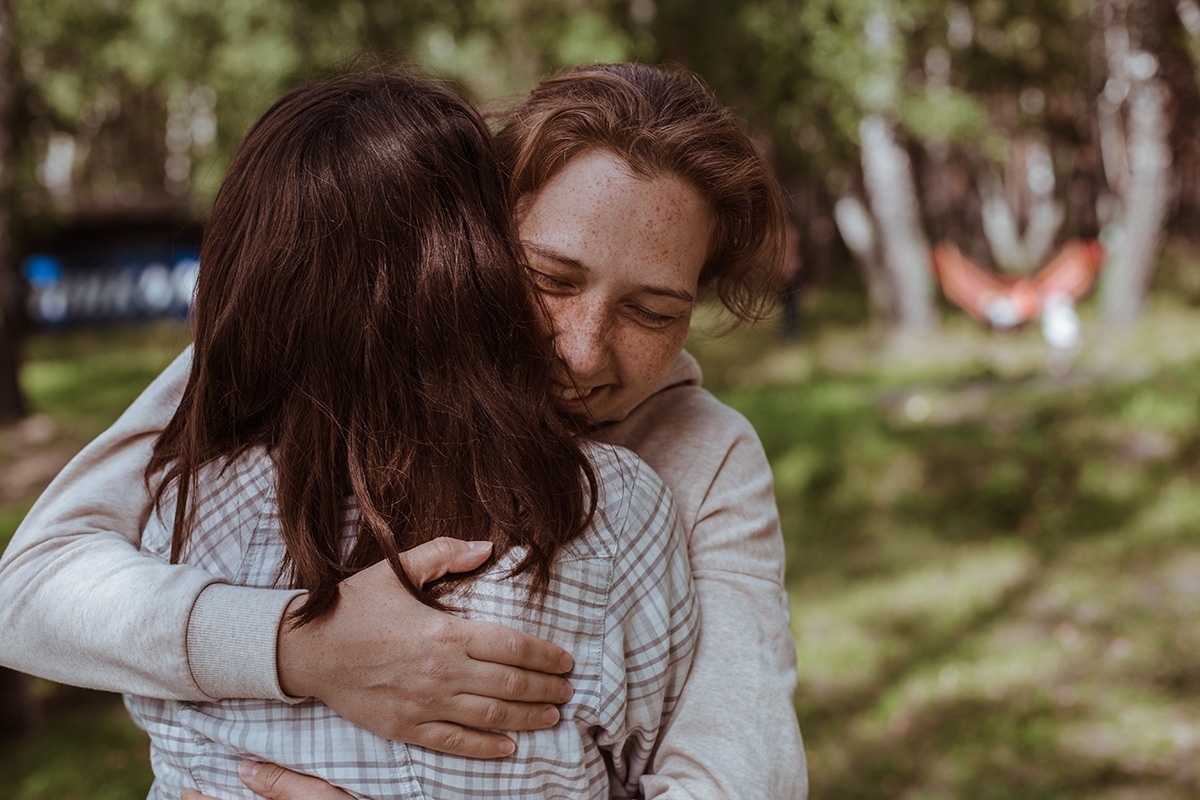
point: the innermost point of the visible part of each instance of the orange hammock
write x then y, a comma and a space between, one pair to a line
1008, 301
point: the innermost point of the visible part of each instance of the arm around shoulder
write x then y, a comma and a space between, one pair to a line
79, 603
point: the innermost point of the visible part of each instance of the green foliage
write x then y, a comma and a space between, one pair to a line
500, 48
946, 114
112, 74
123, 81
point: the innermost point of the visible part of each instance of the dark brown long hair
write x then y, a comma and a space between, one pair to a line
661, 120
362, 314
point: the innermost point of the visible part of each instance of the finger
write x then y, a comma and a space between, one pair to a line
432, 560
476, 711
487, 641
276, 783
513, 684
192, 794
457, 740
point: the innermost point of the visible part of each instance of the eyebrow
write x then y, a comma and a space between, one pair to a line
573, 263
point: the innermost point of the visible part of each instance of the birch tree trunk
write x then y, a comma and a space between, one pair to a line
892, 193
854, 223
890, 186
1132, 115
1021, 242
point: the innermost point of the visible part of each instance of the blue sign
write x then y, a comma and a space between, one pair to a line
129, 287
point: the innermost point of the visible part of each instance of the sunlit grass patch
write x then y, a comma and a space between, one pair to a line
1137, 731
84, 378
852, 636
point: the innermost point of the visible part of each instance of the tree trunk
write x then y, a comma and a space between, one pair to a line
1144, 207
891, 190
1134, 129
12, 306
19, 713
17, 709
1021, 231
858, 232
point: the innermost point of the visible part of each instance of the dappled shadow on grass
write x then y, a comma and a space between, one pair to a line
1079, 682
922, 644
994, 588
1003, 748
1051, 472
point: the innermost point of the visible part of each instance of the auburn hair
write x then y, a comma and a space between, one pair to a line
362, 314
660, 120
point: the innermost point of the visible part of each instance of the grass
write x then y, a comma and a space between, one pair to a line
994, 583
995, 591
85, 378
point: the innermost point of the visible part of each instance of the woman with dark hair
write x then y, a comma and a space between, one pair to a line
636, 193
368, 375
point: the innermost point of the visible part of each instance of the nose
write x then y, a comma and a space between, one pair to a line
581, 339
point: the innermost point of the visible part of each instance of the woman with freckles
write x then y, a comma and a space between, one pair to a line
636, 195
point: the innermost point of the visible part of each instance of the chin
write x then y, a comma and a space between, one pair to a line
613, 414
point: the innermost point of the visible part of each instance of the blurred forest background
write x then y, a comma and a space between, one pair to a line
988, 515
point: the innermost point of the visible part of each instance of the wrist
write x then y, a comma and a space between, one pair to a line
292, 651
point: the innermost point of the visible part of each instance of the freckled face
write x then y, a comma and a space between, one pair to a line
617, 261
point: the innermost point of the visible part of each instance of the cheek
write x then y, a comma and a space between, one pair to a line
648, 355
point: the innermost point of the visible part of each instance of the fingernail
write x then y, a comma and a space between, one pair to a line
566, 662
479, 547
550, 715
248, 769
507, 747
568, 691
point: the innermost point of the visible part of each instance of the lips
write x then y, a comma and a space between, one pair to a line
571, 393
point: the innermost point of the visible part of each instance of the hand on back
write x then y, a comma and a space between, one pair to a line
407, 672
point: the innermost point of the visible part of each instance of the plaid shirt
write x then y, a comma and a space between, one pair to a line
621, 602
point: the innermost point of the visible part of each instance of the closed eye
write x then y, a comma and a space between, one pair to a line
549, 283
650, 319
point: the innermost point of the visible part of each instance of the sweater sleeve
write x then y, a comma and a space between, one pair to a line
79, 603
734, 733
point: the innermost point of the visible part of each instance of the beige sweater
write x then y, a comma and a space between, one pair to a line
80, 605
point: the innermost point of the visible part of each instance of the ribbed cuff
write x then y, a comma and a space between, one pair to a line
232, 641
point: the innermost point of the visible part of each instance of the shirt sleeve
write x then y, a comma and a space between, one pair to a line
650, 634
734, 733
79, 603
